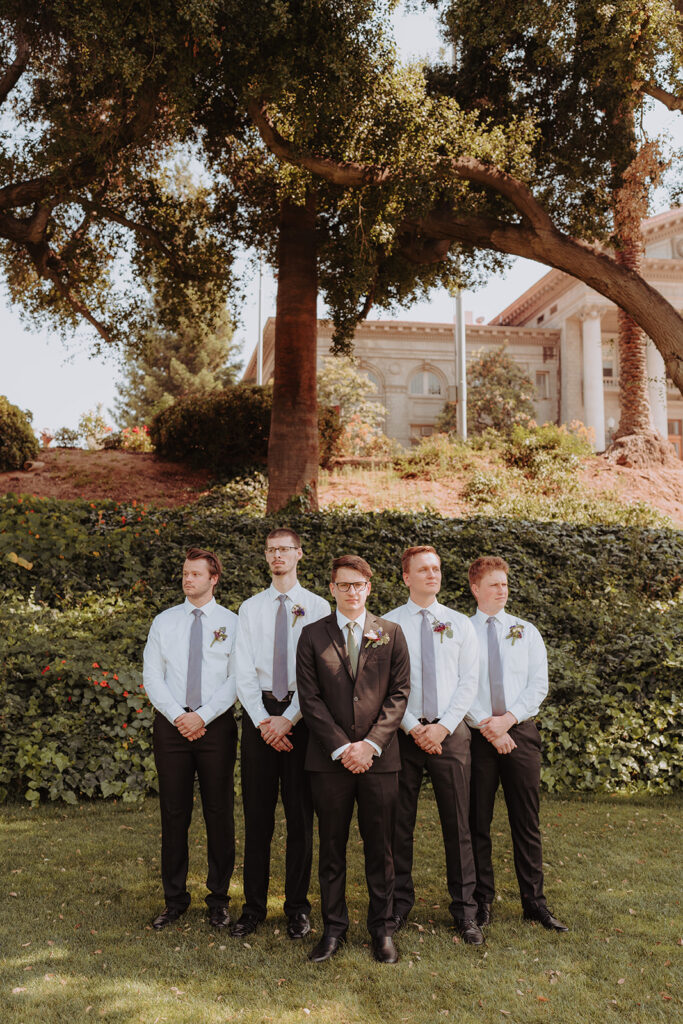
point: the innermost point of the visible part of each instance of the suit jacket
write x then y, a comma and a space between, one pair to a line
338, 709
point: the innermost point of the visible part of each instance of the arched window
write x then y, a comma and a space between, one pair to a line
372, 376
424, 382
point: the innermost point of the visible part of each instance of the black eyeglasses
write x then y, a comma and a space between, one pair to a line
278, 551
359, 586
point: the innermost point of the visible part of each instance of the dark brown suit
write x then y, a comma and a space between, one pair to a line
338, 710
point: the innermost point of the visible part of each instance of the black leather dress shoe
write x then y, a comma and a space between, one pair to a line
468, 929
400, 921
167, 916
484, 913
219, 917
327, 947
244, 925
298, 925
544, 917
383, 949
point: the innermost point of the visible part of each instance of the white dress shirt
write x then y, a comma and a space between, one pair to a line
256, 642
525, 668
456, 657
167, 653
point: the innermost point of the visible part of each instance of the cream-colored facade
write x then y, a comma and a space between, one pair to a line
561, 331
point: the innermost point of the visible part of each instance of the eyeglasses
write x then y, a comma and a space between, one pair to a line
280, 551
359, 586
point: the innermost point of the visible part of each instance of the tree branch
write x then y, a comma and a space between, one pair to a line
25, 193
14, 72
669, 99
145, 230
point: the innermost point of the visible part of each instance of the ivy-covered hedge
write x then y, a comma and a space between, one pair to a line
76, 721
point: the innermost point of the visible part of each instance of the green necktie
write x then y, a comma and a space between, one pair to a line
352, 648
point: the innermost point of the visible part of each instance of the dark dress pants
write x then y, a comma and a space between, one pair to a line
334, 794
266, 771
519, 773
212, 759
449, 772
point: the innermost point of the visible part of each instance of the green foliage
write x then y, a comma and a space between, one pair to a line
130, 439
608, 601
18, 443
499, 395
539, 451
65, 437
222, 430
329, 433
93, 429
343, 386
195, 358
436, 456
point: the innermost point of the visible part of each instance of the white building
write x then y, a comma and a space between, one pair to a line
561, 331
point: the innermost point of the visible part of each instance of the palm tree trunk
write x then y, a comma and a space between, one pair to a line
634, 400
293, 444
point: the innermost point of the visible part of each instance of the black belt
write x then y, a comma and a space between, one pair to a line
426, 721
269, 695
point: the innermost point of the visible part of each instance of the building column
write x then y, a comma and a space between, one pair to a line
593, 388
656, 388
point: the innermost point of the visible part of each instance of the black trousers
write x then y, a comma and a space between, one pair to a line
520, 775
449, 772
212, 759
266, 771
334, 795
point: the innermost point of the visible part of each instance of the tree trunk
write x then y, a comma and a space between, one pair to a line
293, 444
634, 400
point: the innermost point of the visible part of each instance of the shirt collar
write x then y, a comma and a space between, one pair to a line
415, 609
481, 616
291, 594
360, 621
205, 608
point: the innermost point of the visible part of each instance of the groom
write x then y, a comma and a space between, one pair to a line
353, 678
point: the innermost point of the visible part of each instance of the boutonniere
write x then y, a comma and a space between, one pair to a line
443, 629
297, 613
219, 635
376, 638
516, 632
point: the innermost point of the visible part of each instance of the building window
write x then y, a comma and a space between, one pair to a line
542, 384
608, 370
420, 430
676, 436
425, 383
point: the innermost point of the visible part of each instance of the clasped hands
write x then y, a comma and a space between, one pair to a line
274, 730
495, 730
190, 725
357, 757
429, 737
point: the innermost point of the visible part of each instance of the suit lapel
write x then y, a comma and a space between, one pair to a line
338, 641
370, 624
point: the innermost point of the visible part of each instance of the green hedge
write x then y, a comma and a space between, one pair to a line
607, 600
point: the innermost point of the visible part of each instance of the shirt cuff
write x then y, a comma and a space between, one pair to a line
519, 711
336, 754
373, 744
409, 722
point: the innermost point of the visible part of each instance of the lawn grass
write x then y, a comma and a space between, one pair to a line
81, 885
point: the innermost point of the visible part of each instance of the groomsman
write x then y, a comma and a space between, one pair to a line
506, 745
353, 673
274, 736
187, 678
444, 671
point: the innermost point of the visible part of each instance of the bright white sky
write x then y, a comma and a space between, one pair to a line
59, 383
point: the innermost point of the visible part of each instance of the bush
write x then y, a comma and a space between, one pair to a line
606, 599
65, 437
18, 443
434, 457
228, 430
538, 451
93, 429
130, 439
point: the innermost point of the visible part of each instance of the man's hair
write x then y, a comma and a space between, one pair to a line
284, 531
213, 561
351, 562
486, 564
421, 549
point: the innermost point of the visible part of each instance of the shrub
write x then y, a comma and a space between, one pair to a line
130, 439
18, 443
499, 395
228, 430
93, 429
434, 457
540, 450
65, 437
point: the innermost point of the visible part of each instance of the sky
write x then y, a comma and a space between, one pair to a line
59, 382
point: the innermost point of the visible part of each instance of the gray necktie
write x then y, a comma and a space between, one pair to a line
495, 669
193, 695
280, 673
430, 699
352, 648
